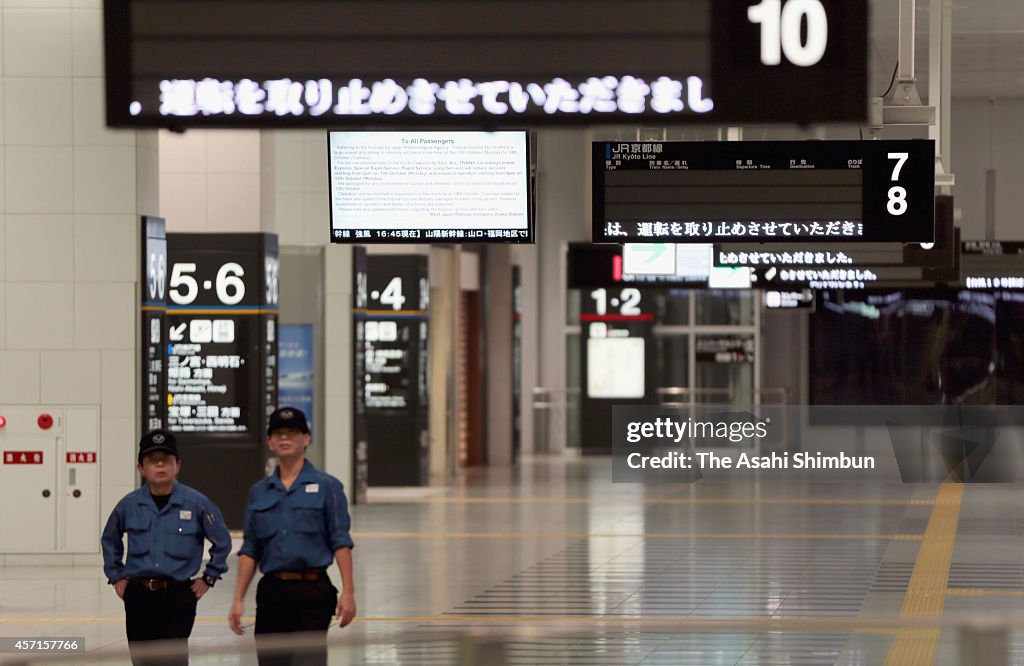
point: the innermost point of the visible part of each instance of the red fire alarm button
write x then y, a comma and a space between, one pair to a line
45, 421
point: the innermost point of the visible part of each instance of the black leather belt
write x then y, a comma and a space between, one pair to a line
157, 584
308, 574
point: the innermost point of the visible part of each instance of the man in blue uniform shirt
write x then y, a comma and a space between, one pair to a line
296, 525
166, 522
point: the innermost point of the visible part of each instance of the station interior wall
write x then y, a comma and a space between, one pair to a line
69, 228
71, 191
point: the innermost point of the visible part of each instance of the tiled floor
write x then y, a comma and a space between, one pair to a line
551, 563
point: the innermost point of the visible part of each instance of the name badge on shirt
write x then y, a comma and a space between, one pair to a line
312, 487
185, 515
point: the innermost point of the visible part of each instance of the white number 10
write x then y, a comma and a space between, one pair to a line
781, 25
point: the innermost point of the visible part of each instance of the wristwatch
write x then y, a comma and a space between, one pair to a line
209, 580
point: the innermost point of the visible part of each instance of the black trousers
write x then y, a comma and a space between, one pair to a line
292, 606
160, 615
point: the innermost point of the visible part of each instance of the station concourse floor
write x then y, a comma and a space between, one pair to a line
561, 566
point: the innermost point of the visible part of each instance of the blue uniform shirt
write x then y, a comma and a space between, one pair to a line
298, 528
165, 543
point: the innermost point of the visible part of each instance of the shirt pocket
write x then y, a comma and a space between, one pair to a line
182, 539
139, 538
308, 511
262, 517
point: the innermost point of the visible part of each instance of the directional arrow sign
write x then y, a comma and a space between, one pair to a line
177, 333
649, 258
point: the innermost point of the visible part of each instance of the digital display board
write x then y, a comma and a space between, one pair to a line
316, 63
764, 191
422, 187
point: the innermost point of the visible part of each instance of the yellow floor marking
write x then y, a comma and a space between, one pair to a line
926, 593
702, 501
603, 535
970, 592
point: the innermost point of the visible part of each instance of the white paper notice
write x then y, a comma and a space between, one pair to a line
429, 180
615, 367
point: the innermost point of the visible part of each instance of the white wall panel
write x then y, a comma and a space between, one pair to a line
288, 160
40, 315
118, 454
70, 377
182, 153
3, 300
40, 248
183, 200
87, 42
118, 383
3, 171
233, 202
37, 4
315, 162
38, 111
19, 377
289, 219
37, 178
316, 216
3, 87
89, 116
233, 151
37, 42
147, 172
106, 247
104, 315
104, 179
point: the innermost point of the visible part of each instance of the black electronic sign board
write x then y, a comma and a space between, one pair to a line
764, 191
152, 310
221, 333
317, 63
724, 348
392, 316
937, 255
993, 265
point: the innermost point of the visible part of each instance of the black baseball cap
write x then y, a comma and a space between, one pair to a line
157, 440
287, 417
